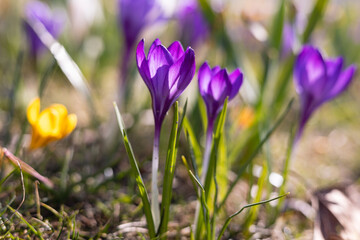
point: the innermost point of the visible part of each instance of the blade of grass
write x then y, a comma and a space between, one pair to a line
253, 155
193, 143
46, 76
246, 206
282, 83
12, 95
192, 180
200, 196
254, 211
169, 174
32, 229
212, 223
289, 153
315, 16
136, 172
6, 177
205, 209
277, 26
181, 123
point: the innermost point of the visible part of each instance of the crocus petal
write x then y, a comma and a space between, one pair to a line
204, 75
158, 58
60, 109
181, 73
315, 68
143, 66
159, 62
176, 50
236, 79
71, 122
333, 70
33, 111
156, 43
215, 70
342, 83
301, 78
220, 86
49, 123
140, 53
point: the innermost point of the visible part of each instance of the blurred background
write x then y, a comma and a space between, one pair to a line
101, 38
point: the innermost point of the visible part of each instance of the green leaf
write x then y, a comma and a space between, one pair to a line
277, 27
314, 18
214, 150
282, 84
193, 143
203, 113
204, 208
253, 155
222, 168
143, 193
213, 161
246, 206
169, 174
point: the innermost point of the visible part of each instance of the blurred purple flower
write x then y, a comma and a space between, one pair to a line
193, 25
166, 72
36, 11
318, 80
215, 86
288, 41
133, 16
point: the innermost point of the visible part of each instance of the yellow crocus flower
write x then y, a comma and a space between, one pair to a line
52, 124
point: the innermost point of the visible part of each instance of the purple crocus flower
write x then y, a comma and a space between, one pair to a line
215, 86
193, 25
36, 11
166, 72
318, 80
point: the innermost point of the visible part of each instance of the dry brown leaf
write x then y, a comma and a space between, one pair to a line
338, 213
25, 167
